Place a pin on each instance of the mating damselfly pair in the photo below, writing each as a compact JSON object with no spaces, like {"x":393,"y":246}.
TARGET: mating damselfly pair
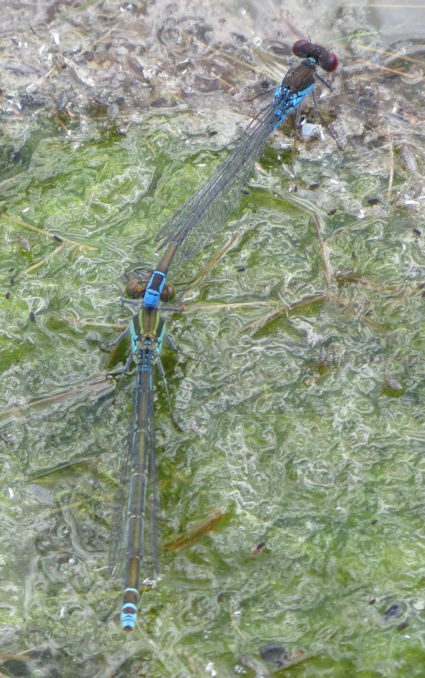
{"x":192,"y":227}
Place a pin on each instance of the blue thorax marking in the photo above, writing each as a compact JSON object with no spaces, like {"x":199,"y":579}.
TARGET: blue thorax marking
{"x":286,"y":101}
{"x":154,"y":289}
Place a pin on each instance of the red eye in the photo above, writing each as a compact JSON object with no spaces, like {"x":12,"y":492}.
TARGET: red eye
{"x":298,"y":47}
{"x":328,"y":61}
{"x":304,"y":49}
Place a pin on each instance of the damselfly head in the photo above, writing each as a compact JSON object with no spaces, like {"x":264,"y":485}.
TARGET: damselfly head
{"x":304,"y":49}
{"x":136,"y":289}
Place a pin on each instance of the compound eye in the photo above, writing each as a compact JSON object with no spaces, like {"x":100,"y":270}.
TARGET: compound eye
{"x":167,"y":293}
{"x":135,"y":288}
{"x":328,"y":61}
{"x":298,"y":48}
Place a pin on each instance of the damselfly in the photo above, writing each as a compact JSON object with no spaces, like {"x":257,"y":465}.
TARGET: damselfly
{"x":207,"y":209}
{"x":146,"y":347}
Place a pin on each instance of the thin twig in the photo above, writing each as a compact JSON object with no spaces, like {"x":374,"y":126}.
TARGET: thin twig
{"x":196,"y":532}
{"x":54,"y":236}
{"x":212,"y":263}
{"x":395,"y":71}
{"x":96,"y":389}
{"x":391,"y":175}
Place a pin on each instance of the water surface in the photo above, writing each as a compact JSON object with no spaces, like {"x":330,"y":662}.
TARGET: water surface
{"x":302,"y":409}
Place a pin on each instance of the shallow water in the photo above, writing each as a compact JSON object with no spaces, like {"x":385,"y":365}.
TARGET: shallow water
{"x":299,"y":378}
